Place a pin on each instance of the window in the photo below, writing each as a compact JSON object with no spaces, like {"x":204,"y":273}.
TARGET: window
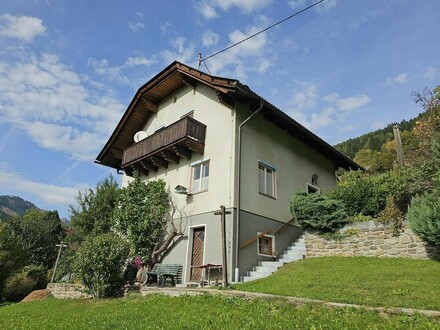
{"x":265,"y":245}
{"x":266,"y":179}
{"x":200,"y":177}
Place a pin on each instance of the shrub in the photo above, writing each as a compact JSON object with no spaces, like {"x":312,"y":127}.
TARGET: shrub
{"x":360,"y":193}
{"x":424,"y":218}
{"x":391,"y":216}
{"x":30,"y":278}
{"x":318,"y":211}
{"x":99,"y":264}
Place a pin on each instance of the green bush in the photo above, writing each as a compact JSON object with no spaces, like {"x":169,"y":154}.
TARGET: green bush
{"x":367,"y":194}
{"x":318,"y":211}
{"x":360,"y":193}
{"x":30,"y":278}
{"x":99,"y":264}
{"x":13,"y":254}
{"x":424,"y":218}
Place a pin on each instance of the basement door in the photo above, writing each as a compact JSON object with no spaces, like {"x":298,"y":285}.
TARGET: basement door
{"x":198,"y":245}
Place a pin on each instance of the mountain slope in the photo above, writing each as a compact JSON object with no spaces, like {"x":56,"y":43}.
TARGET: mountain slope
{"x":14,"y":205}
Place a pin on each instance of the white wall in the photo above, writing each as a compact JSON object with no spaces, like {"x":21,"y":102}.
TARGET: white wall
{"x":294,"y":161}
{"x":219,"y":148}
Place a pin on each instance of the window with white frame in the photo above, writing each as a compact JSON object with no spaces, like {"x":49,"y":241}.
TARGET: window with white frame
{"x":200,"y":177}
{"x":266,"y":245}
{"x":266,"y":179}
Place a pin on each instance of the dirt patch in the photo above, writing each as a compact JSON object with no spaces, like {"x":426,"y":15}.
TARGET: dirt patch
{"x":37,"y":295}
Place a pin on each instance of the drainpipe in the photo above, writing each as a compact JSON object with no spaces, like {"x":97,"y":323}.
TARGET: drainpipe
{"x":237,"y":229}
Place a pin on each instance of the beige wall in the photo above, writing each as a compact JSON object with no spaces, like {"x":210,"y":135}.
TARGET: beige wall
{"x":219,"y":148}
{"x":294,"y":162}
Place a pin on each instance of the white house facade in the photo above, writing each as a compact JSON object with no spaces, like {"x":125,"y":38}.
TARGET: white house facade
{"x":220,"y":144}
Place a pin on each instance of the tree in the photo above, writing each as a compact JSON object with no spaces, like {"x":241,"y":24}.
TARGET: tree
{"x":39,"y":232}
{"x":145,"y":216}
{"x":13,"y":254}
{"x":94,"y":214}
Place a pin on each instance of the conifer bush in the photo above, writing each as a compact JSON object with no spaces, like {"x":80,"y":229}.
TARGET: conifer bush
{"x":318,"y":212}
{"x":424,"y":217}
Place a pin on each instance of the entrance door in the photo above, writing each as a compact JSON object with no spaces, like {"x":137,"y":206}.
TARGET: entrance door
{"x":197,"y":254}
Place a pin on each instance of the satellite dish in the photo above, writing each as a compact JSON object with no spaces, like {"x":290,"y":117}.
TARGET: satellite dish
{"x":140,"y":136}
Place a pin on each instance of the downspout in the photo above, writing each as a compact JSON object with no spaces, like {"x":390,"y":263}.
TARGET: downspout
{"x":237,"y":222}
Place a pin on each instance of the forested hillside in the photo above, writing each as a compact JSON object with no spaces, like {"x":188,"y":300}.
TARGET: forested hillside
{"x":374,"y":140}
{"x":14,"y":205}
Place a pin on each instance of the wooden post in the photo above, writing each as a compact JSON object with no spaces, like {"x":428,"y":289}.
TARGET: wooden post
{"x":399,"y":147}
{"x":223,"y":213}
{"x":58,"y":259}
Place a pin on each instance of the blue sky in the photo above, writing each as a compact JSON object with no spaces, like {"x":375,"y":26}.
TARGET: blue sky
{"x":69,"y":68}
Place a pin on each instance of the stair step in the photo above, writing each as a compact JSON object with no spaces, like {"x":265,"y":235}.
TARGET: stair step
{"x":265,"y":269}
{"x":271,"y":264}
{"x":256,"y":274}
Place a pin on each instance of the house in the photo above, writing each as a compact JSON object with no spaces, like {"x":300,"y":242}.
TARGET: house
{"x":219,"y":143}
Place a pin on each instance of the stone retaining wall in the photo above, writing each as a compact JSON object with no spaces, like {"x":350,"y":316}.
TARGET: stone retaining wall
{"x":371,"y":242}
{"x":67,"y":291}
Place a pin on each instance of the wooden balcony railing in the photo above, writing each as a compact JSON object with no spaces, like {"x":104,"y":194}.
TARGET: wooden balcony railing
{"x":169,"y":144}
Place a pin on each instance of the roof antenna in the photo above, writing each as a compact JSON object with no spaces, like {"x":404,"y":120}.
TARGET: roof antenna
{"x":201,"y":60}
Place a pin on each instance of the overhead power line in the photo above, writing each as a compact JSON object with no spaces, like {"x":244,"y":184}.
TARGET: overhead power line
{"x":255,"y":34}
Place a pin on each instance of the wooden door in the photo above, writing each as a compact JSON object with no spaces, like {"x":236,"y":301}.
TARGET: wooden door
{"x":198,"y":245}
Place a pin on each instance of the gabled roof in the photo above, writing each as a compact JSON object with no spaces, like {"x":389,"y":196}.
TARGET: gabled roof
{"x":229,"y":91}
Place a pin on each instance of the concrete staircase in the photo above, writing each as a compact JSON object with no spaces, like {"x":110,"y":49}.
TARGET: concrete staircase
{"x":296,"y":251}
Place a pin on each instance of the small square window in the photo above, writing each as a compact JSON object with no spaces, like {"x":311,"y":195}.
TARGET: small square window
{"x":266,"y":180}
{"x":200,"y":177}
{"x":266,"y":245}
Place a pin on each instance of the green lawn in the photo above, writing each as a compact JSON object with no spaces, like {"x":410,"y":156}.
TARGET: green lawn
{"x":200,"y":312}
{"x":359,"y":280}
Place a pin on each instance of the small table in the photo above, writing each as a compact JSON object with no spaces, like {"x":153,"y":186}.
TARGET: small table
{"x":208,"y":268}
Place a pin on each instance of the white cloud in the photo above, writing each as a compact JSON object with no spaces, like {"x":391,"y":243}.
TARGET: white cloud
{"x":139,"y":60}
{"x":305,"y":98}
{"x":206,"y":10}
{"x":164,"y":28}
{"x":326,"y":5}
{"x":49,"y":193}
{"x":49,"y":101}
{"x":249,"y":56}
{"x":430,"y":73}
{"x":208,"y":7}
{"x":321,"y":8}
{"x":24,"y":28}
{"x":135,"y":27}
{"x":397,"y":80}
{"x":296,"y":4}
{"x":210,"y":38}
{"x":103,"y":68}
{"x":315,"y":111}
{"x":182,"y":52}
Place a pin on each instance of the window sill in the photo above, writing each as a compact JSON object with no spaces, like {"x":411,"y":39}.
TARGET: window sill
{"x":266,"y":195}
{"x":198,"y":192}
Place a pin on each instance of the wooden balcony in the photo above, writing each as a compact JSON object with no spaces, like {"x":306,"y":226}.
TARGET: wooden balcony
{"x":178,"y":140}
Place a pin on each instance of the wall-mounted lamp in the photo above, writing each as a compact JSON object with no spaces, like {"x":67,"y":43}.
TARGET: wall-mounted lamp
{"x":315,"y":179}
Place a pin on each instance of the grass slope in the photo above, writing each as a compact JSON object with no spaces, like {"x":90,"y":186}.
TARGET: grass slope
{"x":200,"y":312}
{"x":359,"y":280}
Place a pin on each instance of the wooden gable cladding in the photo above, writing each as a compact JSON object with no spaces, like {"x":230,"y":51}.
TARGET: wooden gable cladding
{"x":146,"y":102}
